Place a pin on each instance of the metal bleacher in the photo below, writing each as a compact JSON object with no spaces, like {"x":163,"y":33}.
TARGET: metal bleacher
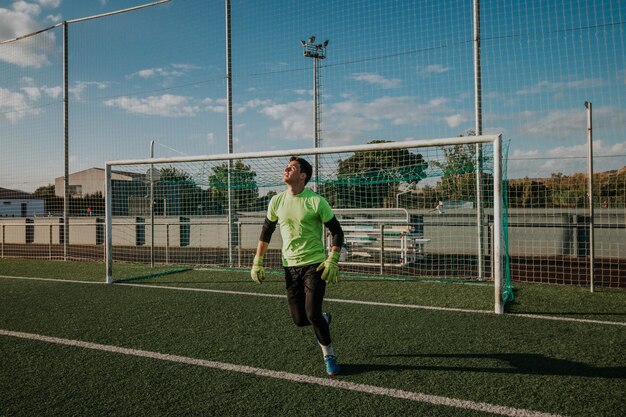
{"x":391,"y":237}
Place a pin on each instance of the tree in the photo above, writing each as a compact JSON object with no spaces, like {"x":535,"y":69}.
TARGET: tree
{"x":177,"y":193}
{"x":263,"y":202}
{"x":172,"y":174}
{"x":567,"y":191}
{"x":458,"y":171}
{"x":459,"y":159}
{"x":372,"y":178}
{"x":90,"y":204}
{"x":611,"y":188}
{"x":52,"y":203}
{"x":527,"y":193}
{"x":78,"y":206}
{"x":245,"y":190}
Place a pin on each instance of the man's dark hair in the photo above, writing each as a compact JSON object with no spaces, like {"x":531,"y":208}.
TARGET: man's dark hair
{"x":304,"y":167}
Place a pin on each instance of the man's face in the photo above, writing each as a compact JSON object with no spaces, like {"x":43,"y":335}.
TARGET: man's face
{"x":292,"y":174}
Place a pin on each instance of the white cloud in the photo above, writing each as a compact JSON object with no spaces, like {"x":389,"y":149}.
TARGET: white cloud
{"x":559,"y":124}
{"x":566,"y":159}
{"x":455,"y":120}
{"x":186,"y":67}
{"x":377,"y":79}
{"x":217,"y":105}
{"x":295,"y":119}
{"x":146,"y":73}
{"x":253,"y":104}
{"x":30,"y":52}
{"x":438,"y":102}
{"x":434,"y":69}
{"x":351,"y":120}
{"x":54,"y":18}
{"x":53,"y":92}
{"x":556,"y":124}
{"x":28,"y":81}
{"x":171,"y":71}
{"x":551,"y":87}
{"x":80,"y":86}
{"x":167,"y":105}
{"x":608,"y":117}
{"x":33,"y":93}
{"x":14,"y":106}
{"x":50,"y":3}
{"x":27,"y":8}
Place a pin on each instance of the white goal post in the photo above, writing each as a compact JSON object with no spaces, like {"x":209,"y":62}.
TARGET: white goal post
{"x":201,"y":186}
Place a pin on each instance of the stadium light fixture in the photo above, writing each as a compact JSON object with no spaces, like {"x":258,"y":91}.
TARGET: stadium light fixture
{"x":317,"y":52}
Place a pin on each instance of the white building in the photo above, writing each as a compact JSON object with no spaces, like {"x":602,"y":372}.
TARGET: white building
{"x":89,"y":181}
{"x":15,"y":203}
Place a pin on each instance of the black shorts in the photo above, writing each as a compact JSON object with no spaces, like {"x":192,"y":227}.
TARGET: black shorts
{"x":304,"y":280}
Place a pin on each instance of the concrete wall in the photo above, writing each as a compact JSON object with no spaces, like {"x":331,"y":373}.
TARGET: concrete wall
{"x":48,"y":230}
{"x":531,"y":232}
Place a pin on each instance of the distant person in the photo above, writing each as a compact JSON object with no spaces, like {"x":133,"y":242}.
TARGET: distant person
{"x":301,"y":215}
{"x":439,"y":208}
{"x":605,"y":204}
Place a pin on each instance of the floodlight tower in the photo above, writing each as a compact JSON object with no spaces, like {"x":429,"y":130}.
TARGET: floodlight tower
{"x":317,"y":52}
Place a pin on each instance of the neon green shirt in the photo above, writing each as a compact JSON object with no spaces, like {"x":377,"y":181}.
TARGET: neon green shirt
{"x":301,"y":219}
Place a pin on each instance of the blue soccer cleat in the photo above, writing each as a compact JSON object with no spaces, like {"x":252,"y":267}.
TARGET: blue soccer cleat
{"x":332,"y":367}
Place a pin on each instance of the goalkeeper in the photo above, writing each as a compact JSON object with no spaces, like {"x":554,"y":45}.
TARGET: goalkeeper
{"x":301,"y":215}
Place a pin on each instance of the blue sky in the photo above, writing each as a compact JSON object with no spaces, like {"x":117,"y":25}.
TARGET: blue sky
{"x":395,"y":70}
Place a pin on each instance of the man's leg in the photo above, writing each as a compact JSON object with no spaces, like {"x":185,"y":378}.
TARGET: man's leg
{"x":294,"y":282}
{"x":305,"y":295}
{"x":314,"y":290}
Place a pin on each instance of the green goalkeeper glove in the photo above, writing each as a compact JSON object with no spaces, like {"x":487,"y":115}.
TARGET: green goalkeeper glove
{"x":330,"y":267}
{"x":258,"y":272}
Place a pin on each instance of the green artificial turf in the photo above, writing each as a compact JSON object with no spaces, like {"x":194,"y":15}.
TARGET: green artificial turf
{"x":561,"y":367}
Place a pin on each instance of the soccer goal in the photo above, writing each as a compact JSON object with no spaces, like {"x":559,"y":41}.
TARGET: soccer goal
{"x":425,"y":209}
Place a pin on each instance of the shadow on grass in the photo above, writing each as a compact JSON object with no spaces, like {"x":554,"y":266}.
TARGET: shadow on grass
{"x":511,"y":363}
{"x":151,"y":275}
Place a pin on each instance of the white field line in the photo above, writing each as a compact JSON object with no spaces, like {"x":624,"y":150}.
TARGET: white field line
{"x":337,"y":300}
{"x":532,"y":316}
{"x":379,"y":304}
{"x":307,"y":379}
{"x":52,"y":280}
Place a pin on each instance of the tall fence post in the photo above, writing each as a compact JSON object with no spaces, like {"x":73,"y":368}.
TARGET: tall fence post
{"x":66,"y":135}
{"x":229,"y":134}
{"x":479,"y":148}
{"x":497,"y":225}
{"x":592,"y":253}
{"x":108,"y":199}
{"x":382,"y":249}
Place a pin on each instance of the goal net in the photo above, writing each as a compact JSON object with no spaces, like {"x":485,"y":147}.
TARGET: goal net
{"x":409,"y":210}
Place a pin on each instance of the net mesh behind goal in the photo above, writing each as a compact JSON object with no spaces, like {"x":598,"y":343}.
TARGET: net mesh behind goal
{"x":407,"y":212}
